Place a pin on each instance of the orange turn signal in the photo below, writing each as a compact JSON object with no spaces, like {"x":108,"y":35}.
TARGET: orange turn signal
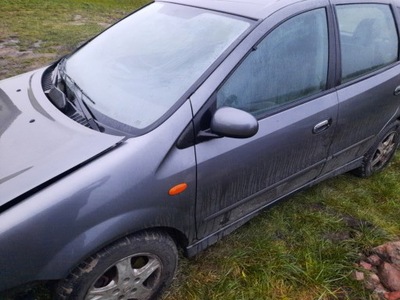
{"x":177,"y":189}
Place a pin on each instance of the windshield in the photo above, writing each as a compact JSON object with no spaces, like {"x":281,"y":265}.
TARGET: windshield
{"x":139,"y":68}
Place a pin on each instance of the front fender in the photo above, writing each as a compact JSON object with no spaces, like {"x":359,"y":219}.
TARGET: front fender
{"x":97,"y":237}
{"x":126,"y":190}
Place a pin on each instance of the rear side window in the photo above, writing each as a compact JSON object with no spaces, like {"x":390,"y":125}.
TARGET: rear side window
{"x":368,"y":38}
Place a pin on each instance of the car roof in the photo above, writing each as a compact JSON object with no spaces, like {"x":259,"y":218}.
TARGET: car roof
{"x":255,"y":9}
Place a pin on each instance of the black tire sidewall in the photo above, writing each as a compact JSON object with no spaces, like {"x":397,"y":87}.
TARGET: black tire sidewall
{"x":367,"y":164}
{"x":84,"y":276}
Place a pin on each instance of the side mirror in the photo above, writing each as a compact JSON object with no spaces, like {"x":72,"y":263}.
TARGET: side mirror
{"x":233,"y":122}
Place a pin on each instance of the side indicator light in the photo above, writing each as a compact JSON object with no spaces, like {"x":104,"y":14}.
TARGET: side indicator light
{"x":177,"y":189}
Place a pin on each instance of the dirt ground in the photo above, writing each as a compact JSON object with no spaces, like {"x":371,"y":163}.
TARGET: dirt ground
{"x":13,"y":61}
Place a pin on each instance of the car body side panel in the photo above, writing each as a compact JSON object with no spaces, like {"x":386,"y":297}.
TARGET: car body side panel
{"x":365,"y":108}
{"x":284,"y":155}
{"x":112,"y":196}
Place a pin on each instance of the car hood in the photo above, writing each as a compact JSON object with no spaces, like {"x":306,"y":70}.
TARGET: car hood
{"x":37,"y":142}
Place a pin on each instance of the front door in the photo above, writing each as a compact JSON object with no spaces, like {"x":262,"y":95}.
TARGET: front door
{"x":283,"y":83}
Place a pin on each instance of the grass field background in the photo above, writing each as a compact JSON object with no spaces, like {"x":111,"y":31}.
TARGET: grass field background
{"x":305,"y":247}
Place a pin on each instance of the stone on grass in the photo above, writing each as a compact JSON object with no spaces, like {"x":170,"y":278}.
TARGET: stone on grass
{"x":374,"y":260}
{"x":382,"y":271}
{"x":365,"y":265}
{"x":390,"y":276}
{"x":392,"y":296}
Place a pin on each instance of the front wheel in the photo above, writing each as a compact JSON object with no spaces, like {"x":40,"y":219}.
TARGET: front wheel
{"x":138,"y":267}
{"x":379,"y":156}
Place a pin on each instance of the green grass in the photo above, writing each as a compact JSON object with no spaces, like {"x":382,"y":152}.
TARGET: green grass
{"x":305,"y":247}
{"x":42,"y":30}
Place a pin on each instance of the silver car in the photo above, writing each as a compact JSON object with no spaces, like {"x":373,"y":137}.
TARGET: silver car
{"x":180,"y":123}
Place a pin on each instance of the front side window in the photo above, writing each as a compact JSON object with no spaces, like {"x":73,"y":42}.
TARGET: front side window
{"x":139,"y":68}
{"x":290,"y":63}
{"x":368,"y":38}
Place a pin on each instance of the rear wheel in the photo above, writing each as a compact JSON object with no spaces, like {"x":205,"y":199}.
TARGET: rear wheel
{"x":138,"y":267}
{"x":379,"y":156}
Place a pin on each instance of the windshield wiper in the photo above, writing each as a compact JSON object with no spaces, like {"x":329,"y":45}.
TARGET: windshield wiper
{"x":54,"y":93}
{"x":62,"y":81}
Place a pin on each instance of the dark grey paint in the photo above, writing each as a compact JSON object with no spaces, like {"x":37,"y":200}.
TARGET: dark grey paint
{"x":124,"y":191}
{"x":232,"y":122}
{"x":47,"y":231}
{"x":356,"y":129}
{"x":282,"y":156}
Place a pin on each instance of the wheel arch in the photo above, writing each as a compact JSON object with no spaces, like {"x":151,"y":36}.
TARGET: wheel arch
{"x":93,"y":240}
{"x":381,"y":152}
{"x":150,"y":256}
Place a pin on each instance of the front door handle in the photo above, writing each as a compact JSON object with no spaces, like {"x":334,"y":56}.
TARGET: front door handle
{"x":397,"y":91}
{"x":322,"y":126}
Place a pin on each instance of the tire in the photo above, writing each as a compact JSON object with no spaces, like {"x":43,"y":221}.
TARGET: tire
{"x":379,"y":156}
{"x":138,"y":267}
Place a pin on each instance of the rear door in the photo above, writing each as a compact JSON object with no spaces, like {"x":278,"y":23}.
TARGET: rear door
{"x":369,"y":79}
{"x":283,"y":82}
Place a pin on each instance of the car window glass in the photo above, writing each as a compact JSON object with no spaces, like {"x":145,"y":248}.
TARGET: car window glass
{"x":290,"y":63}
{"x":139,"y":68}
{"x":368,"y":38}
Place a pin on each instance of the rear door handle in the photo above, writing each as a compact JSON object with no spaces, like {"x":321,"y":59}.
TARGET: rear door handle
{"x":322,"y":126}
